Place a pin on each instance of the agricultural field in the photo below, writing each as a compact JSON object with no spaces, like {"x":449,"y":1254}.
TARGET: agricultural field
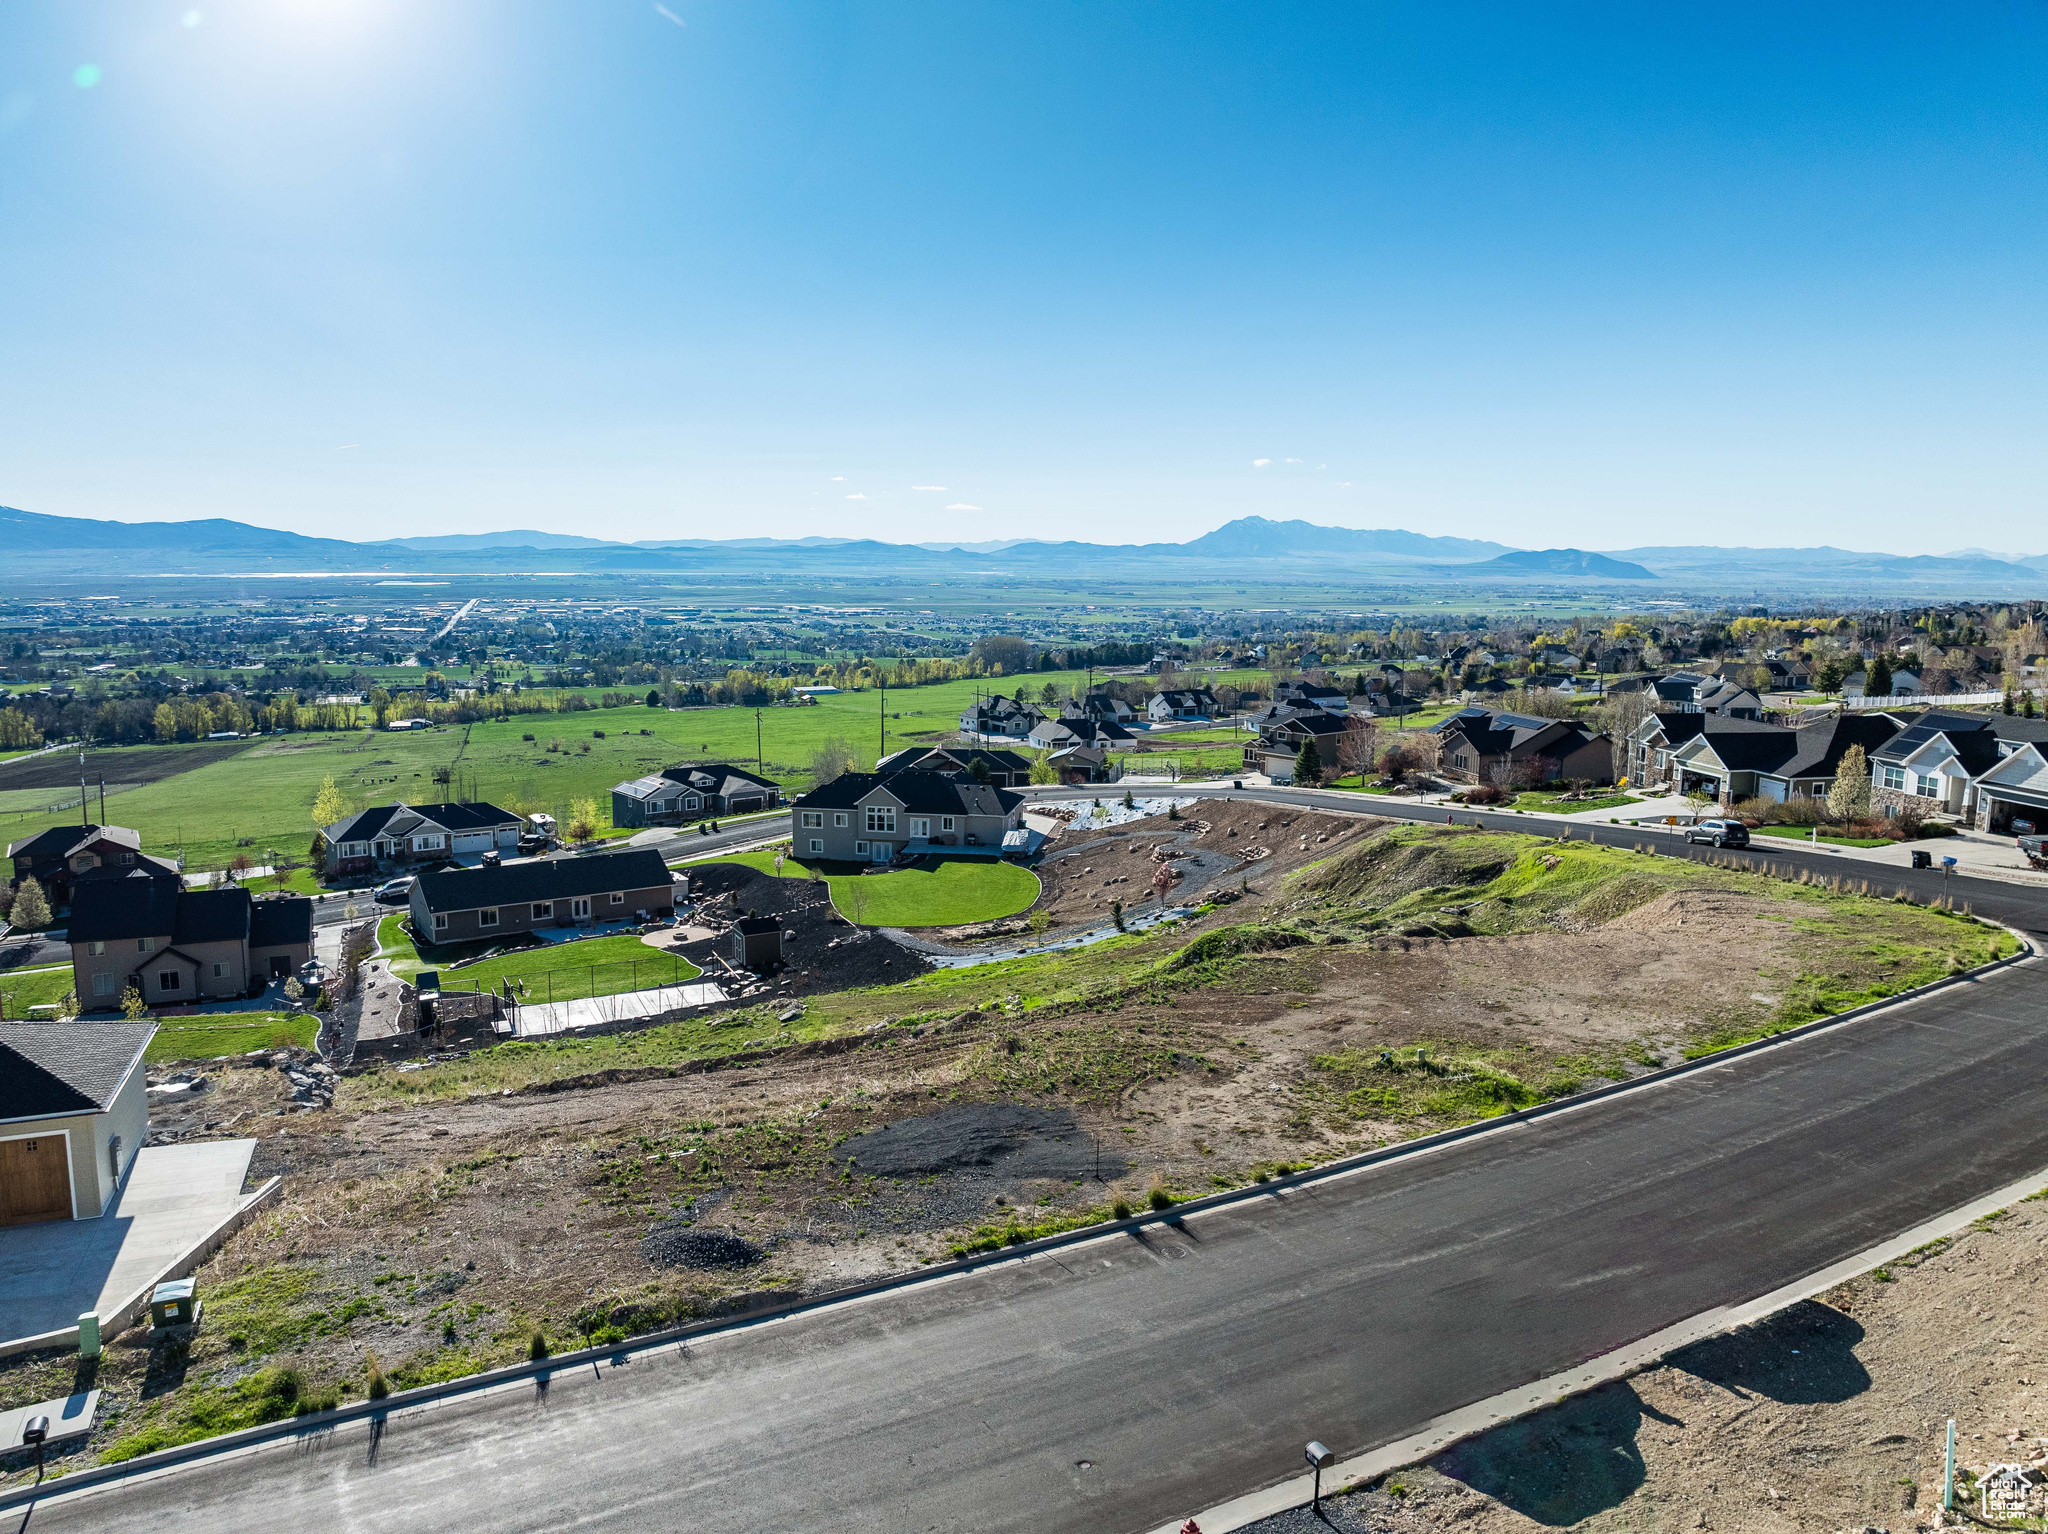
{"x":951,"y":893}
{"x":1361,"y":986}
{"x":214,"y":799}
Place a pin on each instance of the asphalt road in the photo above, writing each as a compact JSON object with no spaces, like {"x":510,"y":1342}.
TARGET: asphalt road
{"x":1188,"y":1366}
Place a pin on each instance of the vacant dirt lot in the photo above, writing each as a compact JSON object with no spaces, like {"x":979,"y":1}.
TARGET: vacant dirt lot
{"x":1830,"y":1416}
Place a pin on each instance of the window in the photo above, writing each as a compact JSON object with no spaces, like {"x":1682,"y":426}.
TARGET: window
{"x":1891,"y":777}
{"x":105,"y":985}
{"x":487,"y":917}
{"x":579,"y":907}
{"x":946,"y":823}
{"x":1930,"y":785}
{"x":440,"y":921}
{"x":920,"y":828}
{"x":881,"y":817}
{"x":814,"y":820}
{"x":817,"y":844}
{"x":82,"y":862}
{"x":220,"y":971}
{"x":168,"y":980}
{"x":145,"y":945}
{"x":860,"y":849}
{"x":95,"y":949}
{"x":618,"y":897}
{"x":126,"y":860}
{"x":543,"y":909}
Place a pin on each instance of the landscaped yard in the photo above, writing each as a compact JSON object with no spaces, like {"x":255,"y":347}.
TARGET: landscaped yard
{"x":946,"y":894}
{"x":1805,"y":833}
{"x":230,"y":1033}
{"x":595,"y":966}
{"x":23,"y":989}
{"x":1553,"y":802}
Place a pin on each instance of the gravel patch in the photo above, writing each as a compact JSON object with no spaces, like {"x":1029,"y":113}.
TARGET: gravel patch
{"x":678,"y":1246}
{"x":1005,"y":1138}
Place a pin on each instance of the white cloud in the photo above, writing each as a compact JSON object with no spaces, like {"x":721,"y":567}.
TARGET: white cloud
{"x":663,"y":10}
{"x":1294,"y":460}
{"x":1343,"y":484}
{"x":1260,"y":463}
{"x":928,"y":487}
{"x":856,"y":496}
{"x":839,"y":479}
{"x":962,"y":506}
{"x":1322,"y":466}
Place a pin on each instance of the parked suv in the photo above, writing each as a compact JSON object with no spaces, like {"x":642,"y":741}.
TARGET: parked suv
{"x":1720,"y":833}
{"x":394,"y":891}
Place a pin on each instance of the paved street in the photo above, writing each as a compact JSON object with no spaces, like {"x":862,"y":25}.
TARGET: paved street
{"x":1119,"y":1385}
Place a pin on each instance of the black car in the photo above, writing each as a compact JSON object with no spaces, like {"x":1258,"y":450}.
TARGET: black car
{"x":1720,"y":833}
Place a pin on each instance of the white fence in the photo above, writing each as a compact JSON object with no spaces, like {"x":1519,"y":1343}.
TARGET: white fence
{"x":1924,"y":700}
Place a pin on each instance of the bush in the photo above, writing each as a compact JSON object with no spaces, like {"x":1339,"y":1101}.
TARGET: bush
{"x":527,"y":736}
{"x":1489,"y":793}
{"x":537,"y":1347}
{"x":379,"y":1387}
{"x":1120,"y":1210}
{"x":1158,"y":1197}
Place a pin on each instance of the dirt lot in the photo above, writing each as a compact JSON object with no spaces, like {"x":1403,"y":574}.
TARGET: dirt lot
{"x":565,"y":1186}
{"x":1829,"y":1416}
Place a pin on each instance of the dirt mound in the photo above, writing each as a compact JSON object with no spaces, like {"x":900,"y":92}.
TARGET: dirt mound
{"x":1017,"y":1142}
{"x":752,"y":890}
{"x":676,"y":1245}
{"x":1711,"y":913}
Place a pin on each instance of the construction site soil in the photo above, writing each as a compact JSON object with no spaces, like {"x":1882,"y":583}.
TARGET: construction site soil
{"x":444,"y":1230}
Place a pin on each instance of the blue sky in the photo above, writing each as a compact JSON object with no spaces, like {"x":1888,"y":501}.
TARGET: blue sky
{"x":1558,"y":274}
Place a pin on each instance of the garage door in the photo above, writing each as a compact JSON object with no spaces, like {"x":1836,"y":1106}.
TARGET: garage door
{"x":35,"y":1180}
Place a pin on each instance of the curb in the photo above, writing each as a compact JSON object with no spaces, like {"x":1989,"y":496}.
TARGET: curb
{"x":319,"y":1422}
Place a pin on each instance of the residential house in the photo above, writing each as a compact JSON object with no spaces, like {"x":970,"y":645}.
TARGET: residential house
{"x":984,"y":764}
{"x":1055,"y":734}
{"x":1099,"y":706}
{"x":1276,"y":750}
{"x":141,"y":928}
{"x":388,"y":835}
{"x":863,"y":817}
{"x":1184,"y":703}
{"x":1736,"y":759}
{"x":56,"y":857}
{"x":1481,"y":743}
{"x":692,"y":791}
{"x":468,"y":905}
{"x":1081,"y":763}
{"x":1905,"y":684}
{"x":1652,"y":743}
{"x":1000,"y":718}
{"x":1932,"y":766}
{"x":74,"y":1112}
{"x":1689,"y":692}
{"x":1331,"y":700}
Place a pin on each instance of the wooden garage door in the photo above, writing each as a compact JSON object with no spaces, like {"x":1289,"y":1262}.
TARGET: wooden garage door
{"x":35,"y":1180}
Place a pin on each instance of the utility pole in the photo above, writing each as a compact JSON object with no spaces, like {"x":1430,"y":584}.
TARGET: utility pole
{"x":84,"y":799}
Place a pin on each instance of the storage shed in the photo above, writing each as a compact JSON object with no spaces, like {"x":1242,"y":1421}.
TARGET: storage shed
{"x":757,"y":942}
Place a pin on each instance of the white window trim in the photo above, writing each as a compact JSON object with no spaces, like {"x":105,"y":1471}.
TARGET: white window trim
{"x":580,"y":906}
{"x":487,"y":916}
{"x":618,"y":897}
{"x":440,"y":921}
{"x":145,"y":945}
{"x":814,"y":820}
{"x":543,"y":910}
{"x":817,"y":844}
{"x":860,"y":849}
{"x":945,"y":822}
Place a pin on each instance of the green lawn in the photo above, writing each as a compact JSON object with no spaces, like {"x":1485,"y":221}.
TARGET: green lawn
{"x":299,"y":881}
{"x":1805,"y":833}
{"x":230,"y":1033}
{"x":953,"y":892}
{"x":24,"y":988}
{"x":264,"y":795}
{"x":1553,"y":802}
{"x":597,"y":966}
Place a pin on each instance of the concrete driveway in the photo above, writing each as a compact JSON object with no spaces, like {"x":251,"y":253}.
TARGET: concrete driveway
{"x":175,"y":1195}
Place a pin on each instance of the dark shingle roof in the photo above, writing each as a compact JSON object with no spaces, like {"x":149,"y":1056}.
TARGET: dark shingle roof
{"x":465,"y":889}
{"x":60,"y":841}
{"x":281,"y":923}
{"x":53,"y":1068}
{"x":401,"y":819}
{"x":994,"y":758}
{"x":212,"y":916}
{"x":138,"y":902}
{"x":921,"y":793}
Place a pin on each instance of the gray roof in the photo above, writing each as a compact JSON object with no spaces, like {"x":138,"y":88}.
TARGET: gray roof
{"x":920,"y":793}
{"x":598,"y":873}
{"x":61,"y":841}
{"x":402,"y":819}
{"x":61,"y":1068}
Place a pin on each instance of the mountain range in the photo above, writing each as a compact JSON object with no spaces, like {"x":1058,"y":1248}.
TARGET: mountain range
{"x":46,"y":548}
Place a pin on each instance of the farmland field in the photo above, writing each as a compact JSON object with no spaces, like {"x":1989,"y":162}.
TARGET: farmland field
{"x":261,"y":796}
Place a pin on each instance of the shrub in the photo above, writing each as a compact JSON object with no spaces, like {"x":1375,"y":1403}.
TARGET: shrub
{"x":537,"y":1346}
{"x":1120,"y":1210}
{"x":597,"y":734}
{"x":527,"y":736}
{"x":1488,"y":793}
{"x":1159,"y":1197}
{"x":379,"y":1386}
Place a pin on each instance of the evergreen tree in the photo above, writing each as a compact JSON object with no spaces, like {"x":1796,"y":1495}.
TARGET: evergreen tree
{"x":1879,"y":682}
{"x":31,"y":910}
{"x":1308,"y":767}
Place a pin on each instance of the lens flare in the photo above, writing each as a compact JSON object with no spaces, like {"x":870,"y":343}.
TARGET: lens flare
{"x":86,"y":76}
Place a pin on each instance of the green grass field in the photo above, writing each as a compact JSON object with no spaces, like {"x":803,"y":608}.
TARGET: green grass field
{"x":262,"y":798}
{"x":230,"y":1033}
{"x":1553,"y":803}
{"x":22,"y":989}
{"x":597,"y":966}
{"x":954,"y":892}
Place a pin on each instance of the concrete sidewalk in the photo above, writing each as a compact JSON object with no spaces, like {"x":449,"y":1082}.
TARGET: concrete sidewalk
{"x":174,"y":1196}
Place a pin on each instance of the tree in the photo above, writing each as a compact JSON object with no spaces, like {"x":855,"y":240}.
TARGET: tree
{"x":133,"y":1007}
{"x":1007,"y":653}
{"x":582,"y":819}
{"x":833,"y":758}
{"x":654,"y":697}
{"x":165,"y":722}
{"x":1620,"y":716}
{"x":1308,"y":767}
{"x":1878,"y":684}
{"x":1049,"y":694}
{"x":239,"y":865}
{"x":1042,"y":771}
{"x":31,"y":910}
{"x":328,"y":804}
{"x":1849,"y":798}
{"x":1357,"y":746}
{"x":317,"y":854}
